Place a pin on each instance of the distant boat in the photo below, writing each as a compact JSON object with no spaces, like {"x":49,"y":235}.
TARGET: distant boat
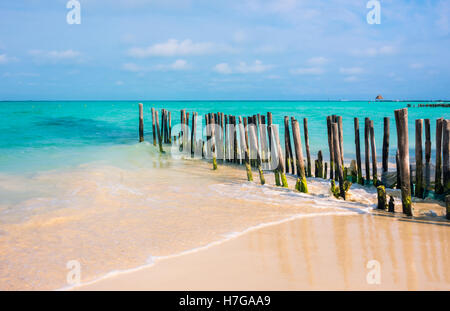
{"x":379,"y":97}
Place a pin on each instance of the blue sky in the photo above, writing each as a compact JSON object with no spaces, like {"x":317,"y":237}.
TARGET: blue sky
{"x":206,"y":49}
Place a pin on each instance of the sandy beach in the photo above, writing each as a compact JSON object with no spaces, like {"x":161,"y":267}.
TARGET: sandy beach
{"x":311,"y":253}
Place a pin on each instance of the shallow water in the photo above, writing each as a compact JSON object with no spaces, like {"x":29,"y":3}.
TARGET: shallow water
{"x":75,"y":185}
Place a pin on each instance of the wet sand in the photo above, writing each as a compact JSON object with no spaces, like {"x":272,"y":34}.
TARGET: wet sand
{"x":312,"y":253}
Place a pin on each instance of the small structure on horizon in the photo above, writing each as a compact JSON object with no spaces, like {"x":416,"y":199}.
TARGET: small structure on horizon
{"x":379,"y":97}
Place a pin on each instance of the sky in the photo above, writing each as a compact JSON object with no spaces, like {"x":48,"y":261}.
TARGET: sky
{"x":229,"y":50}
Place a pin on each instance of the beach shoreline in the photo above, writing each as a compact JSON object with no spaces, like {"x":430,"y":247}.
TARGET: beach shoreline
{"x":307,"y":253}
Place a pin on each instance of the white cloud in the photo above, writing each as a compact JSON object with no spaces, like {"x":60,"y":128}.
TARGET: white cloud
{"x":376,"y":51}
{"x":4,"y":59}
{"x":317,"y":61}
{"x":173,"y":47}
{"x":416,"y":66}
{"x":308,"y":71}
{"x":179,"y":64}
{"x":119,"y":83}
{"x":351,"y":70}
{"x":132,"y":67}
{"x":56,"y":56}
{"x":256,"y":67}
{"x":222,"y":68}
{"x":351,"y":79}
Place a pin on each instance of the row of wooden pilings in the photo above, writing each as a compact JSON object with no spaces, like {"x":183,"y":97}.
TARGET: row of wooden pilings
{"x":442,"y":105}
{"x":259,"y":147}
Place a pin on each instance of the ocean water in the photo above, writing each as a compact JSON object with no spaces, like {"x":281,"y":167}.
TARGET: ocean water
{"x":75,"y":184}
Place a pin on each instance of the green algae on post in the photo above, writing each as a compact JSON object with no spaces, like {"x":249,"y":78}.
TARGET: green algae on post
{"x":381,"y":196}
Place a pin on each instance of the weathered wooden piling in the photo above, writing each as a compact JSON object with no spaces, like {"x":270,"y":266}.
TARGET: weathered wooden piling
{"x":193,"y":134}
{"x":374,"y":155}
{"x":367,"y":147}
{"x":419,"y":189}
{"x":447,"y":206}
{"x":330,"y":146}
{"x":439,"y":188}
{"x":446,"y":155}
{"x":391,"y":204}
{"x":280,"y":170}
{"x":341,"y":138}
{"x":235,"y":142}
{"x":401,"y":117}
{"x":358,"y":151}
{"x":141,"y":122}
{"x":319,"y":165}
{"x":263,"y":139}
{"x":170,"y":127}
{"x":381,"y":197}
{"x":308,"y":154}
{"x":302,"y":185}
{"x":213,"y":142}
{"x":385,"y":166}
{"x":154,"y":129}
{"x":158,"y":131}
{"x":254,"y":139}
{"x":245,"y":148}
{"x":269,"y":130}
{"x":427,"y":155}
{"x":325,"y":170}
{"x":287,"y":146}
{"x":338,"y":160}
{"x":397,"y":169}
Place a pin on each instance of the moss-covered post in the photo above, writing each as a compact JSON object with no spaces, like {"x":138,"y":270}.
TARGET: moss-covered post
{"x":289,"y":160}
{"x":141,"y":123}
{"x":280,"y":168}
{"x":154,"y":129}
{"x":302,"y":185}
{"x":419,"y":189}
{"x":330,"y":146}
{"x":158,"y":132}
{"x":446,"y":155}
{"x":447,"y":205}
{"x":367,"y":147}
{"x":308,"y":154}
{"x":213,"y":141}
{"x":193,"y":134}
{"x":254,"y":139}
{"x":439,"y":188}
{"x":341,"y":138}
{"x":374,"y":154}
{"x":401,"y":117}
{"x":381,"y":196}
{"x":358,"y":151}
{"x":338,"y":160}
{"x":391,"y":204}
{"x":427,"y":156}
{"x":245,"y":148}
{"x":385,"y":165}
{"x":319,"y":164}
{"x":325,"y":171}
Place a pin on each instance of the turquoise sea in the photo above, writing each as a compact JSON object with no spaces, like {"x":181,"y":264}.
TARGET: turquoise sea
{"x":38,"y":136}
{"x":76,"y":185}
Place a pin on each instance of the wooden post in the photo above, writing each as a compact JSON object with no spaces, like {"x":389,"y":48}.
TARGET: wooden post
{"x":269,"y":130}
{"x":381,"y":195}
{"x":367,"y":147}
{"x":280,"y":168}
{"x":302,"y":185}
{"x":141,"y":122}
{"x":341,"y":138}
{"x":397,"y":168}
{"x":170,"y":127}
{"x":154,"y":129}
{"x":325,"y":171}
{"x":447,"y":205}
{"x":358,"y":151}
{"x":319,"y":164}
{"x":254,"y":139}
{"x":419,"y":189}
{"x":374,"y":155}
{"x":263,"y":138}
{"x":427,"y":155}
{"x":446,"y":155}
{"x":288,"y":147}
{"x":330,"y":146}
{"x":213,"y":142}
{"x":158,"y":132}
{"x":338,"y":160}
{"x":391,"y":204}
{"x":385,"y":167}
{"x":245,"y":147}
{"x":308,"y":154}
{"x":401,"y":117}
{"x":439,"y":188}
{"x":193,"y":134}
